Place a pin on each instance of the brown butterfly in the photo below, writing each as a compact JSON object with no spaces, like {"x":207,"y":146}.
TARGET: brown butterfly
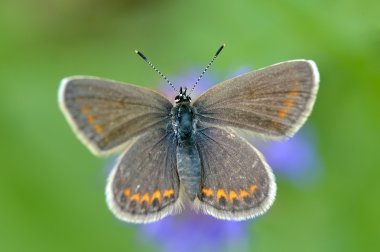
{"x":189,"y":152}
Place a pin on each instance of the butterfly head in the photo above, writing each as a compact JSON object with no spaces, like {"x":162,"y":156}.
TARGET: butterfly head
{"x":182,"y":96}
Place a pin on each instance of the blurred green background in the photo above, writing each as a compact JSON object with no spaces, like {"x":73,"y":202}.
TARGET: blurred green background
{"x":52,"y":188}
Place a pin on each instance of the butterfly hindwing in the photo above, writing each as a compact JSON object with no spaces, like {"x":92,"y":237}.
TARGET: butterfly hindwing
{"x":274,"y":101}
{"x":236,"y":182}
{"x":106,"y":114}
{"x":144,"y":184}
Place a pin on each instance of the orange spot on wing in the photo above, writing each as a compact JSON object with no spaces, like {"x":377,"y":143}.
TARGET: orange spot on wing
{"x":221,"y":193}
{"x":252,"y":189}
{"x":156,"y":195}
{"x":288,"y":103}
{"x":135,"y":196}
{"x":293,"y":93}
{"x":233,"y":196}
{"x":208,"y":192}
{"x":85,"y":110}
{"x":282,"y":113}
{"x":127,"y":192}
{"x":168,"y":193}
{"x":90,"y":119}
{"x":243,"y":193}
{"x":145,"y":197}
{"x":98,"y":128}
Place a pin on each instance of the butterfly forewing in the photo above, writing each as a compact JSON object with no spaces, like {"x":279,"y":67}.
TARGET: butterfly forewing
{"x":106,"y":114}
{"x":273,"y":101}
{"x":236,"y":182}
{"x":144,"y":184}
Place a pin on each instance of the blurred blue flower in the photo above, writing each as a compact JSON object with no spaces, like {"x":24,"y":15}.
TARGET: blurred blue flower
{"x":295,"y":158}
{"x":191,"y":232}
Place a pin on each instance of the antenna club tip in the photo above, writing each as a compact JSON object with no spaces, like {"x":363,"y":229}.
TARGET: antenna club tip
{"x":223,"y":45}
{"x":219,"y":50}
{"x":141,"y":55}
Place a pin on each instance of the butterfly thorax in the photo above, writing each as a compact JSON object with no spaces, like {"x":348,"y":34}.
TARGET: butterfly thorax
{"x":183,"y":117}
{"x":183,"y":121}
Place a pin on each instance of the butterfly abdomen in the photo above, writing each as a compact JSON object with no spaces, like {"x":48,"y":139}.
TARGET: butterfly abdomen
{"x":188,"y":162}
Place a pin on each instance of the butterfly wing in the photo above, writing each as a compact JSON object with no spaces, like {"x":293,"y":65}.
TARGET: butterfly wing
{"x":273,"y":101}
{"x":236,"y":182}
{"x":106,"y":114}
{"x":144,"y":185}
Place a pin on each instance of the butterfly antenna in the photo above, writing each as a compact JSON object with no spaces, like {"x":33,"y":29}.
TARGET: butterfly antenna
{"x":155,"y":69}
{"x":207,"y":67}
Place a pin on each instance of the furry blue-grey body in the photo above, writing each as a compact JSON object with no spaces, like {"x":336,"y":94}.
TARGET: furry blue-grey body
{"x":188,"y":162}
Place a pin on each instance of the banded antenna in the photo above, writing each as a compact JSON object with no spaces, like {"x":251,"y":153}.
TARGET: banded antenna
{"x":207,"y":67}
{"x":155,"y":69}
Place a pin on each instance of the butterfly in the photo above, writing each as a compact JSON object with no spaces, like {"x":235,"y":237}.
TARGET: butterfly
{"x":188,"y":153}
